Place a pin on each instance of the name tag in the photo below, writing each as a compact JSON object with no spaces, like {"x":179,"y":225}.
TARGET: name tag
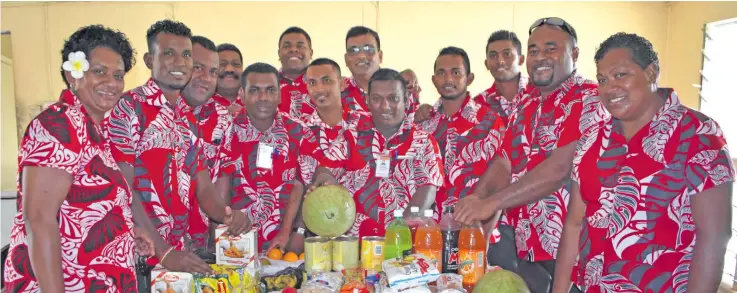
{"x":264,"y":158}
{"x":383,"y":164}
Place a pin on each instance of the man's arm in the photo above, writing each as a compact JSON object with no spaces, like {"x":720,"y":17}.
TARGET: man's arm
{"x":140,"y":217}
{"x":496,"y":177}
{"x":539,"y":182}
{"x":566,"y":258}
{"x":712,"y":216}
{"x":423,"y":198}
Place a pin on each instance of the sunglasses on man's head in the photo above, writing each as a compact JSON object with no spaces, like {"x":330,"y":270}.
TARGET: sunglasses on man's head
{"x":554,"y":21}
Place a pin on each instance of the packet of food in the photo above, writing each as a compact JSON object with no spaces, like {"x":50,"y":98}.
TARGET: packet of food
{"x":235,"y":250}
{"x":323,"y":282}
{"x":410,"y":271}
{"x":164,"y":281}
{"x":383,"y":287}
{"x":449,"y":281}
{"x":227,"y":279}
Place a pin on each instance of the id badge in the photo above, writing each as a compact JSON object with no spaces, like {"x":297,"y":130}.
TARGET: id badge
{"x":382,"y":165}
{"x":264,"y":158}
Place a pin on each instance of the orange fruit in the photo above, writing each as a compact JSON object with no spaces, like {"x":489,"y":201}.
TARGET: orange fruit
{"x":302,"y":256}
{"x":290,"y":257}
{"x":275,"y":254}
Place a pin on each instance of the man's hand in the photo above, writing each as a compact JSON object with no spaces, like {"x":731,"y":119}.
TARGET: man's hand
{"x":236,"y":221}
{"x":183,"y":261}
{"x":473,"y":208}
{"x":296,"y":243}
{"x":280,"y":240}
{"x":144,"y":243}
{"x":423,"y":113}
{"x":412,"y":84}
{"x":321,"y":179}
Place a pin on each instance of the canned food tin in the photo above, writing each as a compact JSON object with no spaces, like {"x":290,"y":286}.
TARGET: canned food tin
{"x":372,"y":253}
{"x":345,"y":253}
{"x":318,"y":254}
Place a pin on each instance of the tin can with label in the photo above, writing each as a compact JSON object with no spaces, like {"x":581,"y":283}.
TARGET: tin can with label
{"x":345,"y":253}
{"x":372,"y":254}
{"x":318,"y":254}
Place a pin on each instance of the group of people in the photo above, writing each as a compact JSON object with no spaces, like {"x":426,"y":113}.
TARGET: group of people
{"x":571,"y":178}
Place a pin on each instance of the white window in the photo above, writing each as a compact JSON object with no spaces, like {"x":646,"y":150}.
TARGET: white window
{"x":719,"y":101}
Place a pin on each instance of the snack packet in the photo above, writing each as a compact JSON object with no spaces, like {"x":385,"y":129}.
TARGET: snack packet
{"x":164,"y":281}
{"x":237,"y":250}
{"x":227,"y":279}
{"x":410,"y":271}
{"x":383,"y":287}
{"x":323,"y":282}
{"x":450,"y":282}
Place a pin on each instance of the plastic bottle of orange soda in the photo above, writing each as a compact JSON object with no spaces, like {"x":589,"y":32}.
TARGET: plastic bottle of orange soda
{"x":472,"y":254}
{"x":429,"y":240}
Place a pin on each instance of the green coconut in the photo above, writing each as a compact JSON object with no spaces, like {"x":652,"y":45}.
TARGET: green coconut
{"x":501,"y":281}
{"x":329,"y":211}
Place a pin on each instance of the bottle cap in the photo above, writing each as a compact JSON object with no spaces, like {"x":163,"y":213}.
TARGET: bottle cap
{"x":428,"y":213}
{"x":398,"y":213}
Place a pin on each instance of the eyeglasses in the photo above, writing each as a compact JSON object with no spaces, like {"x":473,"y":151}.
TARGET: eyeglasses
{"x":555,"y":21}
{"x":366,"y":48}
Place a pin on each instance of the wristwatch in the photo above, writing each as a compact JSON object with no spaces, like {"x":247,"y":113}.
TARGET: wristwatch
{"x":299,"y":230}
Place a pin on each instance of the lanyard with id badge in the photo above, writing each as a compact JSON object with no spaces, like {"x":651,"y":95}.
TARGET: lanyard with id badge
{"x":265,"y":156}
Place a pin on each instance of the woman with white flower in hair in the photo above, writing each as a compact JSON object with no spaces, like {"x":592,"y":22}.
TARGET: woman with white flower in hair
{"x":74,"y":229}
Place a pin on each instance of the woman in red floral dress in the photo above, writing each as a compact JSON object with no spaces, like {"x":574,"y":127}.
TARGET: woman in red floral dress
{"x":650,"y":205}
{"x":74,"y":229}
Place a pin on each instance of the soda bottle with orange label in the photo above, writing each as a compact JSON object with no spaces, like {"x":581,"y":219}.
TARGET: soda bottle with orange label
{"x":471,"y":254}
{"x":429,"y":240}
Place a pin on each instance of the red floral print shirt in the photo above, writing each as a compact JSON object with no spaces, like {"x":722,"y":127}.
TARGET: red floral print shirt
{"x":639,"y":233}
{"x":155,"y":138}
{"x":414,"y":162}
{"x":95,"y":218}
{"x":493,"y":99}
{"x":539,"y":126}
{"x":262,"y":193}
{"x":295,"y":101}
{"x":468,"y":140}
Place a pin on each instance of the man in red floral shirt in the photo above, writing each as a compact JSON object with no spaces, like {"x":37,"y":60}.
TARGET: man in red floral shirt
{"x":503,"y":59}
{"x":651,"y":198}
{"x":159,"y":155}
{"x":539,"y":143}
{"x":258,"y":162}
{"x":212,"y":118}
{"x":469,"y":134}
{"x":401,"y":164}
{"x":295,"y":53}
{"x":229,"y":80}
{"x":363,"y":57}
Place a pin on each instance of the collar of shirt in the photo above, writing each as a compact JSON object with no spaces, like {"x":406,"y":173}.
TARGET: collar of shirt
{"x":155,"y":97}
{"x":573,"y":80}
{"x":294,"y":82}
{"x":348,"y":115}
{"x":217,"y":98}
{"x":351,"y":82}
{"x":245,"y":122}
{"x":663,"y":119}
{"x":523,"y":81}
{"x":468,"y":110}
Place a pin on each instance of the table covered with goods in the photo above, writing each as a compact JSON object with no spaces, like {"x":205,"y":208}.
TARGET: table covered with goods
{"x":416,"y":255}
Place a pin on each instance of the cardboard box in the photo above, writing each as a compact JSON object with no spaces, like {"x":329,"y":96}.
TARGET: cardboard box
{"x":164,"y":281}
{"x":238,"y":250}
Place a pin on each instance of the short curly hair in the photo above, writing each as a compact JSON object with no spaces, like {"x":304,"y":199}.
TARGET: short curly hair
{"x":641,"y":49}
{"x":166,"y":26}
{"x":88,"y":38}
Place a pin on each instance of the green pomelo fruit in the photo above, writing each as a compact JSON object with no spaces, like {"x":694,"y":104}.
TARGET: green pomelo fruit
{"x":329,"y":211}
{"x":501,"y":281}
